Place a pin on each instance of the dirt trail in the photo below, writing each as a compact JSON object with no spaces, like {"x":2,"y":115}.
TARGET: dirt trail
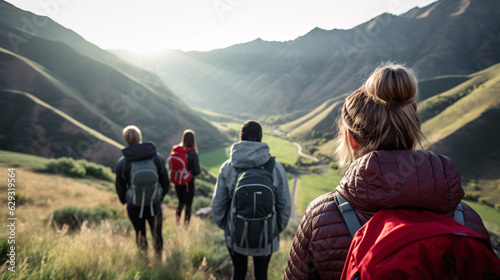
{"x":294,"y":215}
{"x":296,"y":177}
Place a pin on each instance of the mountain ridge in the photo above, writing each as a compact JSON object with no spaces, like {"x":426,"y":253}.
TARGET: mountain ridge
{"x":323,"y":64}
{"x":102,"y":93}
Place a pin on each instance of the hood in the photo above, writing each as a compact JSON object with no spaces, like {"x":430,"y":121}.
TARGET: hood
{"x":139,"y":151}
{"x":402,"y":179}
{"x":247,"y":154}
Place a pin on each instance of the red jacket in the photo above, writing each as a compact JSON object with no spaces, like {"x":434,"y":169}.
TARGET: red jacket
{"x":379,"y":180}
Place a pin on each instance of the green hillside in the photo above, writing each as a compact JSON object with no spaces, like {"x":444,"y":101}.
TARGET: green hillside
{"x":32,"y":126}
{"x":461,"y":122}
{"x":320,"y":122}
{"x":464,"y":126}
{"x":91,"y":99}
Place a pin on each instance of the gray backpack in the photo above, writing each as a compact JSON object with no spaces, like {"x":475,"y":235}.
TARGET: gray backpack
{"x":144,"y":188}
{"x":252,"y":220}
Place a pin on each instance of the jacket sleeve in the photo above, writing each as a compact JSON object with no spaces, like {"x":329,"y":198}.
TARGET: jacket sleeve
{"x":222,"y":196}
{"x":194,"y":163}
{"x":283,"y":199}
{"x":299,"y":264}
{"x":120,"y":184}
{"x":162,"y":174}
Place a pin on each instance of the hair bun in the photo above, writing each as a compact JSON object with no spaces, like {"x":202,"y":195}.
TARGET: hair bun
{"x":392,"y":84}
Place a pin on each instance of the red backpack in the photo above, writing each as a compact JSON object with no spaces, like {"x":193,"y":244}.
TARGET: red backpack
{"x":178,"y":166}
{"x":418,"y":244}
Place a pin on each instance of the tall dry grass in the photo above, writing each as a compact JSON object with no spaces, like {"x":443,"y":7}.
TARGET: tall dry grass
{"x":106,"y":251}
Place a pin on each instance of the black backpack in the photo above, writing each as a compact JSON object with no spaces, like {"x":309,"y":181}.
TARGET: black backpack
{"x":252,"y":217}
{"x":144,"y":189}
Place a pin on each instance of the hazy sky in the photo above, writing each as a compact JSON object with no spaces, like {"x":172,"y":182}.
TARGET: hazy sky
{"x":152,"y":25}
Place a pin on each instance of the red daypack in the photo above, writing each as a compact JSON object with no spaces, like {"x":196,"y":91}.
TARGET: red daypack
{"x":178,"y":166}
{"x":418,"y":244}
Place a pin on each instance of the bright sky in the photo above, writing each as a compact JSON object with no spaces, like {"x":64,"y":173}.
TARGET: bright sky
{"x":153,"y":25}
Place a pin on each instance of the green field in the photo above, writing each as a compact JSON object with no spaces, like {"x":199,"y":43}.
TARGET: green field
{"x":490,"y":216}
{"x":312,"y":186}
{"x":283,"y":150}
{"x":214,"y":159}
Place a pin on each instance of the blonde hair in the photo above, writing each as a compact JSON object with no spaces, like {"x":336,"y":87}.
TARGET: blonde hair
{"x":381,"y":114}
{"x":132,"y":134}
{"x":188,"y":140}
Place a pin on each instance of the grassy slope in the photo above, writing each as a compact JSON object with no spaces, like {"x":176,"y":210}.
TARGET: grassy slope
{"x":447,"y":112}
{"x":312,"y":186}
{"x":319,"y":119}
{"x":105,"y":252}
{"x":214,"y":159}
{"x":24,"y":113}
{"x":13,"y":159}
{"x":63,"y":115}
{"x":466,"y":129}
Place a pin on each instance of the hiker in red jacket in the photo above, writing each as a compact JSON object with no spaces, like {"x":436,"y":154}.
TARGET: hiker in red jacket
{"x":378,"y":129}
{"x":188,"y":151}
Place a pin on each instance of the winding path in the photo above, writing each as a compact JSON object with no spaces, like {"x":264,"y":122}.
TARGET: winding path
{"x":296,"y":177}
{"x":299,"y":151}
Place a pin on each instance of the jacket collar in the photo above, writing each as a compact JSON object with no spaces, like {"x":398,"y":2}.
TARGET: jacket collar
{"x":402,"y":179}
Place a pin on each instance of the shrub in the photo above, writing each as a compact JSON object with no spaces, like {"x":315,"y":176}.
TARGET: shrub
{"x":200,"y":202}
{"x":73,"y":217}
{"x":97,"y":171}
{"x":4,"y":250}
{"x":21,"y":198}
{"x":497,"y":207}
{"x":79,"y":169}
{"x":484,"y":201}
{"x":65,"y":166}
{"x":204,"y":188}
{"x":471,"y":196}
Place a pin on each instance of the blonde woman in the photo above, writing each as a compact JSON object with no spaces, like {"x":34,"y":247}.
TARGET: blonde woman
{"x":135,"y":152}
{"x":378,"y":129}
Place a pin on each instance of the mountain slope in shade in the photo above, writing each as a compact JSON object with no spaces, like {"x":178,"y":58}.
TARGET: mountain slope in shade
{"x":31,"y":126}
{"x":464,"y":124}
{"x":262,"y":78}
{"x":98,"y":93}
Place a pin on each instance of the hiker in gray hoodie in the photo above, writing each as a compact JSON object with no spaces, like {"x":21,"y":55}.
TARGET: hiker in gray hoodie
{"x":247,"y":153}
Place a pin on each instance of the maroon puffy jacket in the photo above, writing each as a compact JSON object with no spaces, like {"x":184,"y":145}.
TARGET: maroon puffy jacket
{"x":378,"y":180}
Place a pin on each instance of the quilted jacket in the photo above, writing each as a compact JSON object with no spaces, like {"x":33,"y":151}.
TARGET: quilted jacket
{"x":378,"y":180}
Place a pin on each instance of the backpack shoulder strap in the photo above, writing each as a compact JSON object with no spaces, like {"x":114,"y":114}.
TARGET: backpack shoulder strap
{"x":123,"y":172}
{"x":269,"y":165}
{"x":348,"y":214}
{"x":459,"y":215}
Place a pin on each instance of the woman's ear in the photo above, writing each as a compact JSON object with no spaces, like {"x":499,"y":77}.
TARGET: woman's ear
{"x":352,"y":142}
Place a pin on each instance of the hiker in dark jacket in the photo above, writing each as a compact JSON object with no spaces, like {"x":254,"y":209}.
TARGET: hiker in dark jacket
{"x":137,"y":151}
{"x":185,"y":193}
{"x":378,"y":129}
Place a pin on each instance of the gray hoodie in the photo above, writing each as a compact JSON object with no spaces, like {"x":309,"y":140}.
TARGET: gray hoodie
{"x":247,"y":154}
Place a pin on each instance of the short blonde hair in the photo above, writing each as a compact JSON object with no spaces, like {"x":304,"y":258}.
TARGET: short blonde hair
{"x":132,"y":135}
{"x":381,"y":114}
